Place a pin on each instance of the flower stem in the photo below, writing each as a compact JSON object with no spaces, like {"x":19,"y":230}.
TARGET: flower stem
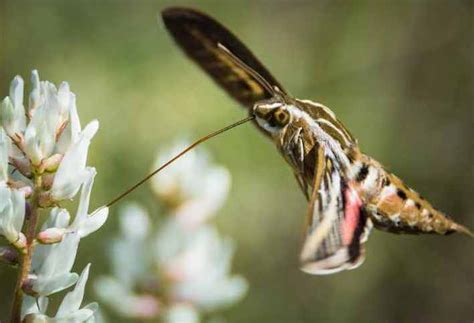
{"x":26,"y":255}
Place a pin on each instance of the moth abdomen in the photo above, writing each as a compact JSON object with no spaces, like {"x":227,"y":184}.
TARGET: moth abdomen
{"x":399,"y":209}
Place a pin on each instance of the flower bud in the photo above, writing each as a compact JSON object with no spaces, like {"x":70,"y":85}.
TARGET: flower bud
{"x":15,"y":184}
{"x":45,"y":199}
{"x":50,"y":164}
{"x":47,"y":180}
{"x":27,"y":190}
{"x":23,"y":165}
{"x":12,"y":214}
{"x":7,"y":114}
{"x":20,"y":243}
{"x":51,"y":235}
{"x":64,"y":98}
{"x":36,"y":318}
{"x":16,"y":91}
{"x":28,"y":285}
{"x":9,"y":256}
{"x":12,"y":112}
{"x":35,"y":94}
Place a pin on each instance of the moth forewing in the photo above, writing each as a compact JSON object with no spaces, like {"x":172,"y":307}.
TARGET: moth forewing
{"x":199,"y":35}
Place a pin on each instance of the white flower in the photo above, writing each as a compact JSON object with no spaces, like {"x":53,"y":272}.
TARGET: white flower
{"x":4,"y":149}
{"x":12,"y":215}
{"x":12,"y":112}
{"x":72,"y":171}
{"x":55,"y":227}
{"x":181,"y":313}
{"x":50,"y":111}
{"x":85,"y":224}
{"x":130,"y":262}
{"x":34,"y":305}
{"x":35,"y":94}
{"x":52,"y":264}
{"x":129,"y":254}
{"x":48,"y":152}
{"x":41,"y":132}
{"x":124,"y":301}
{"x":69,"y":310}
{"x":193,"y":186}
{"x":183,"y":269}
{"x":58,"y":218}
{"x":198,"y":264}
{"x":71,"y":133}
{"x":134,"y":222}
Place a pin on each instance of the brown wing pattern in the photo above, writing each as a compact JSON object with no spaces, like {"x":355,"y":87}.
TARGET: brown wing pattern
{"x":200,"y":35}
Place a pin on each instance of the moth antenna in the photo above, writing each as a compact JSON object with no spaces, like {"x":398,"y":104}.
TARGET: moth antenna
{"x":247,"y":68}
{"x":183,"y":152}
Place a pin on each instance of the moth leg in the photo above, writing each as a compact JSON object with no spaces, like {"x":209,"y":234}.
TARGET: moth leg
{"x":299,"y":158}
{"x":301,"y":151}
{"x":302,"y":184}
{"x":294,"y":151}
{"x":320,"y":165}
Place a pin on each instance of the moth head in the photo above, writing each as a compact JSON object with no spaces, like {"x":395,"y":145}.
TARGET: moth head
{"x":272,"y":116}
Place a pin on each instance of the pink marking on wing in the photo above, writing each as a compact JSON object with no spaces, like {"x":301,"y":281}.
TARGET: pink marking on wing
{"x":351,"y":214}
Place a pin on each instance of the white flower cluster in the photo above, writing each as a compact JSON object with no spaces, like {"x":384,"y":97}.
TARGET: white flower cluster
{"x":43,"y":155}
{"x":182,"y":269}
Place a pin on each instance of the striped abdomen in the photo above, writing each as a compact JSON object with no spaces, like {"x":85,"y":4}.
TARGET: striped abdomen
{"x":395,"y":207}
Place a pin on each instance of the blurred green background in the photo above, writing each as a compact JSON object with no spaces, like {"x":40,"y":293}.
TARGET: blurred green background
{"x":398,"y":73}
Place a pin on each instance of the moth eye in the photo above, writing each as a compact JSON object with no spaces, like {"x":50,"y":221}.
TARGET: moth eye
{"x":281,"y":117}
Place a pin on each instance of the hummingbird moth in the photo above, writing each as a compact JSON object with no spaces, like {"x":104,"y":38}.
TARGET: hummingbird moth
{"x":348,"y":192}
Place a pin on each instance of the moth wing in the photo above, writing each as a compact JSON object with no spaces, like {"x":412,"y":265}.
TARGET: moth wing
{"x":337,"y":224}
{"x":203,"y":38}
